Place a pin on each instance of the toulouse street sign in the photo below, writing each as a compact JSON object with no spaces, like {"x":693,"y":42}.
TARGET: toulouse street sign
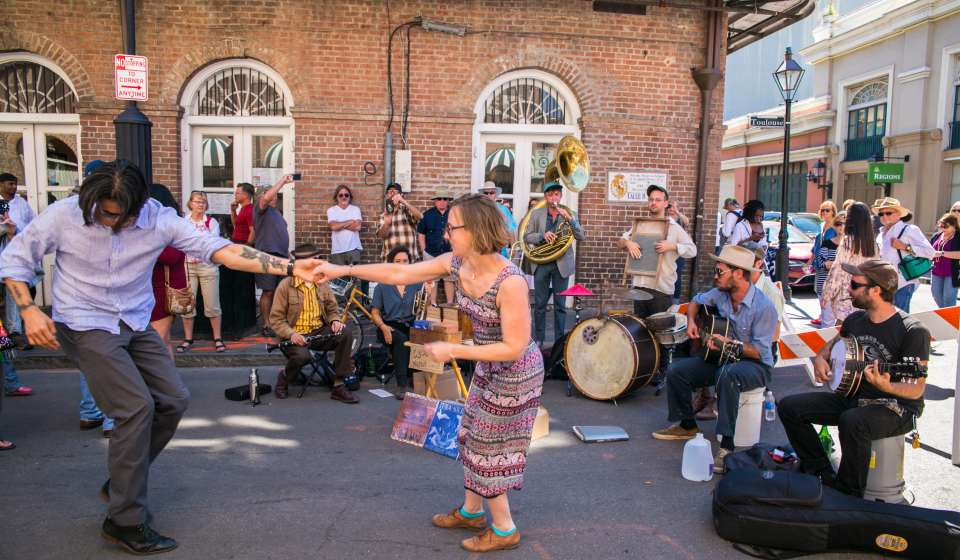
{"x":130,"y":77}
{"x":766,"y":122}
{"x":884,"y":172}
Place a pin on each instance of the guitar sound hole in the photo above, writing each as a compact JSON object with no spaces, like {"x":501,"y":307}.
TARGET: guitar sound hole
{"x":590,"y":334}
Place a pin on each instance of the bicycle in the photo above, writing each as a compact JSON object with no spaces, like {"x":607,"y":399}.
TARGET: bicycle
{"x":355,"y":303}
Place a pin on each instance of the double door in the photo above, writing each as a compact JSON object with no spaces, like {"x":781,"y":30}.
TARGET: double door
{"x":46,"y":160}
{"x":223,"y":156}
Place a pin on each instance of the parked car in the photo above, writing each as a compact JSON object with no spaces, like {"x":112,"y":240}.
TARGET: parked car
{"x":809,"y":223}
{"x":801,"y":274}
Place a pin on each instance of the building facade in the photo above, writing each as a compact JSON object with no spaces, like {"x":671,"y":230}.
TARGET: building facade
{"x":243,"y":91}
{"x":886,"y":79}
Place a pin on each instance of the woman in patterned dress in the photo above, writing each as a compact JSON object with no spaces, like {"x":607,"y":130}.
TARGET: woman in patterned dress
{"x":859,"y":244}
{"x":505,"y":393}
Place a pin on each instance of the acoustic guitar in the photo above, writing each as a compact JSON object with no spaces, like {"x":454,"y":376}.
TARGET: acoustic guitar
{"x":710,"y":323}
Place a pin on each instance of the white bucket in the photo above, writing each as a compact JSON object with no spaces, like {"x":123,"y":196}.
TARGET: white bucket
{"x":697,"y":459}
{"x":749,"y":418}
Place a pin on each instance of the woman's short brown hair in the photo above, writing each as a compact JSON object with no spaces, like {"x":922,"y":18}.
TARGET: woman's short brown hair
{"x":949,"y":219}
{"x":483,"y":219}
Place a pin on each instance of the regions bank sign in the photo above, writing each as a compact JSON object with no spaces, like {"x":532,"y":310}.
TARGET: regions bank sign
{"x":884,"y":172}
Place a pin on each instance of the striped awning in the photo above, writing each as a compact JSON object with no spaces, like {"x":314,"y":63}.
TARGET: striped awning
{"x":503,"y":156}
{"x":214,"y":152}
{"x":273,"y":157}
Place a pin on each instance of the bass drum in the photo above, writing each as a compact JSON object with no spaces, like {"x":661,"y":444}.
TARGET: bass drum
{"x":608,"y":358}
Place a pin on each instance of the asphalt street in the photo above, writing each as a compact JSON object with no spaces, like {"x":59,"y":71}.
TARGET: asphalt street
{"x":313,"y":478}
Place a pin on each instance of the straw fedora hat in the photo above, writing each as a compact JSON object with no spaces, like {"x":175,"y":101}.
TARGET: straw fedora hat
{"x":889,"y":203}
{"x":737,"y":257}
{"x":442,"y":193}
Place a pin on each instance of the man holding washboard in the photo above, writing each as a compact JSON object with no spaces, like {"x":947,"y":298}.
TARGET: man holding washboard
{"x":677,"y":244}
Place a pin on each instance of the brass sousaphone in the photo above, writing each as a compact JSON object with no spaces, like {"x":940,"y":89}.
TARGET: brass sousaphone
{"x":571,"y":168}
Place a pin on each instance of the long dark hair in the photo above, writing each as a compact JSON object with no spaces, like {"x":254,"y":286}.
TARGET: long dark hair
{"x":750,"y":211}
{"x":162,"y":194}
{"x":858,"y":234}
{"x":119,"y":181}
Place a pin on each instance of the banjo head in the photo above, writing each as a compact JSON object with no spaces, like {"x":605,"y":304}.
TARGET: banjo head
{"x":846,"y":381}
{"x":838,"y":363}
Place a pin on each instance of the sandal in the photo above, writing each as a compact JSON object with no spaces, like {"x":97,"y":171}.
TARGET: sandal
{"x":185,"y":345}
{"x":6,"y":445}
{"x":220,"y":346}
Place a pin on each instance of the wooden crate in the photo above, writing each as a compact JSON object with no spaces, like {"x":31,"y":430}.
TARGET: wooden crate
{"x":422,"y":336}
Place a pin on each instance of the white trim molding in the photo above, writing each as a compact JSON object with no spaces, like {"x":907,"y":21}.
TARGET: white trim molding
{"x":921,"y":73}
{"x":949,"y":66}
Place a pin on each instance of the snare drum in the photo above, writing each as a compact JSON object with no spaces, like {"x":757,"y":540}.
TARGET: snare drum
{"x":610,"y":357}
{"x":669,"y":328}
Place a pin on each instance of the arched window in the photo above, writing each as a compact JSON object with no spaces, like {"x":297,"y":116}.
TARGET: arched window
{"x":525,"y":101}
{"x":29,"y":87}
{"x":240,"y":91}
{"x":874,"y":92}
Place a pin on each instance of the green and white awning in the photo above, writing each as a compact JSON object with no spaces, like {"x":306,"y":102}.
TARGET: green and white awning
{"x":273,"y":158}
{"x":214,"y":151}
{"x":503,"y":156}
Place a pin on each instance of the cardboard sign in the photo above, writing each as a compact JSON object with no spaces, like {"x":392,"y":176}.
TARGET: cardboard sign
{"x":130,"y":77}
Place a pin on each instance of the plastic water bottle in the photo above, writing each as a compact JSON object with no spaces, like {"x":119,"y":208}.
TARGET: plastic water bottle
{"x":697,"y":460}
{"x":254,"y":382}
{"x":769,"y":407}
{"x":369,"y":367}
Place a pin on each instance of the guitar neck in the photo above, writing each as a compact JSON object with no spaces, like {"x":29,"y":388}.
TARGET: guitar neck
{"x":902,"y":370}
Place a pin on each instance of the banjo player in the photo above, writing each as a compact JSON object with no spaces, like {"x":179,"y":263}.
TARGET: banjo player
{"x":879,"y":408}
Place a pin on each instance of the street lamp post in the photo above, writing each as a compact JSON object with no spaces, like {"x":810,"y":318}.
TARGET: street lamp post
{"x":787,"y":76}
{"x":818,"y":176}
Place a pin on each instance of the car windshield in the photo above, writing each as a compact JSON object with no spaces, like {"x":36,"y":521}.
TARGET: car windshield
{"x":794,"y":235}
{"x":810,"y":226}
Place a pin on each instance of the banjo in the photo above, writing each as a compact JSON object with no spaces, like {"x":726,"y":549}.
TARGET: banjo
{"x":847,"y":363}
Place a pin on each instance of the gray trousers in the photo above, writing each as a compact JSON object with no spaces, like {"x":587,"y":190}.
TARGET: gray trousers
{"x":548,"y":281}
{"x":686,"y":374}
{"x":134,"y":381}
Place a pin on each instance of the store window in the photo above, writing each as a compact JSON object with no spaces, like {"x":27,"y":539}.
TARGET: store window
{"x":769,"y":191}
{"x":866,"y":121}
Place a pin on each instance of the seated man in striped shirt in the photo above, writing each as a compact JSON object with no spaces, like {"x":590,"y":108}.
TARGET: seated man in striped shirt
{"x":306,"y":314}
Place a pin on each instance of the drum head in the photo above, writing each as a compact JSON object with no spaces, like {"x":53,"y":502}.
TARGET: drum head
{"x":601,"y":358}
{"x":838,"y":363}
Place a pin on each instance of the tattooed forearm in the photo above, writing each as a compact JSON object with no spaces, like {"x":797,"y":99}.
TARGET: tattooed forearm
{"x":21,"y":294}
{"x":268,"y":264}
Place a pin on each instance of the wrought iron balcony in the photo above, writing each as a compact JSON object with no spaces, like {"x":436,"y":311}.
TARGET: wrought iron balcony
{"x":864,"y":148}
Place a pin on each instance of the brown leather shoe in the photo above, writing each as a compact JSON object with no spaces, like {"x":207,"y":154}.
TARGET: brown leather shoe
{"x":456,"y":520}
{"x":489,"y":541}
{"x":342,"y":394}
{"x":91,"y":424}
{"x":280,"y":391}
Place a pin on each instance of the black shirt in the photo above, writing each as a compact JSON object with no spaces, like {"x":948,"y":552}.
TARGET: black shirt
{"x":900,"y":336}
{"x":432,"y":226}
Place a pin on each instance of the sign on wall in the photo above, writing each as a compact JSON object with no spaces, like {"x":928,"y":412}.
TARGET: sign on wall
{"x":767,"y":122}
{"x":631,"y":186}
{"x":884,"y":172}
{"x":130,"y":77}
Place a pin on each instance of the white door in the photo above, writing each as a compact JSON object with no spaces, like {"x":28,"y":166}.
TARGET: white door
{"x":516,"y":163}
{"x":45,"y":158}
{"x":222,"y":156}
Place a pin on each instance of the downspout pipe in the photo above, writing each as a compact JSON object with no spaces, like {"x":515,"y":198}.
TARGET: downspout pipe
{"x":707,"y":79}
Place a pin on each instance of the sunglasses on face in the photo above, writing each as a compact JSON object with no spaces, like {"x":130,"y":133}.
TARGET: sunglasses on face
{"x":854,"y":285}
{"x":838,"y":224}
{"x":719,"y":272}
{"x":955,"y":210}
{"x":343,"y":195}
{"x":886,"y":214}
{"x":822,"y":210}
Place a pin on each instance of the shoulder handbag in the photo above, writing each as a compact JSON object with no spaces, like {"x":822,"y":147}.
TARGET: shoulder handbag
{"x":911,"y":266}
{"x":179,"y":300}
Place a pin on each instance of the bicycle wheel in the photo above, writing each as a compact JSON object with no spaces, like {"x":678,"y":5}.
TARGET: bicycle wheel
{"x":355,"y":327}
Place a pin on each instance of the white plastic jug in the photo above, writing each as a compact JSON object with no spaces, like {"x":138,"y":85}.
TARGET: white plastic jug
{"x":697,"y":459}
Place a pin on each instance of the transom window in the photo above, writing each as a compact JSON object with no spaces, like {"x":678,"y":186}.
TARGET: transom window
{"x":874,"y":92}
{"x":28,"y":87}
{"x":240,"y":92}
{"x":525,"y":101}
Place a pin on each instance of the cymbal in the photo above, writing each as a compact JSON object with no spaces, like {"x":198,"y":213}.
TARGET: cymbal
{"x":632,"y":294}
{"x":577,"y":290}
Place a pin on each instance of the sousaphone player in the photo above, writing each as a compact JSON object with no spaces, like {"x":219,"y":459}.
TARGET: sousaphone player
{"x":753,"y":319}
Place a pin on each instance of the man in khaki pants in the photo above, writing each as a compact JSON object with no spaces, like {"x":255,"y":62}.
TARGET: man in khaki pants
{"x":304,"y":309}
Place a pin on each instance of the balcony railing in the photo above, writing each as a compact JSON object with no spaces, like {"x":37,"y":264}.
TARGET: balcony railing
{"x":863,"y":148}
{"x":955,"y":135}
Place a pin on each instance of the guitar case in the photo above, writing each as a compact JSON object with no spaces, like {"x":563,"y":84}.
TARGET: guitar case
{"x":786,"y":510}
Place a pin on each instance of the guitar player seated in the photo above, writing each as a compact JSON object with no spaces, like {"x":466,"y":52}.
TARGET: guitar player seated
{"x":880,"y":408}
{"x":753,"y":320}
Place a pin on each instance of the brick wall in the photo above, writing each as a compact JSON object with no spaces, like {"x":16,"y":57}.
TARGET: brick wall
{"x":631,"y":76}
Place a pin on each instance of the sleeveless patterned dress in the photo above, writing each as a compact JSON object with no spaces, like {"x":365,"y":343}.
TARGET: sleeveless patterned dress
{"x":502,"y":402}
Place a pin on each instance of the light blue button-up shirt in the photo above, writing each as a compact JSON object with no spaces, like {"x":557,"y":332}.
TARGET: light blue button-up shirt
{"x":101,"y":278}
{"x":754,"y":323}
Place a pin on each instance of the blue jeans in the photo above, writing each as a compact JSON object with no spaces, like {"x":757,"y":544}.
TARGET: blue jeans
{"x":88,"y":406}
{"x":11,"y":315}
{"x":944,"y":292}
{"x":547,"y":281}
{"x":903,"y":296}
{"x":10,"y":375}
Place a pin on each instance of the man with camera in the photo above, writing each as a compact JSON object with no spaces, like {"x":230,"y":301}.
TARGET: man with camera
{"x":306,"y":314}
{"x":398,"y":224}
